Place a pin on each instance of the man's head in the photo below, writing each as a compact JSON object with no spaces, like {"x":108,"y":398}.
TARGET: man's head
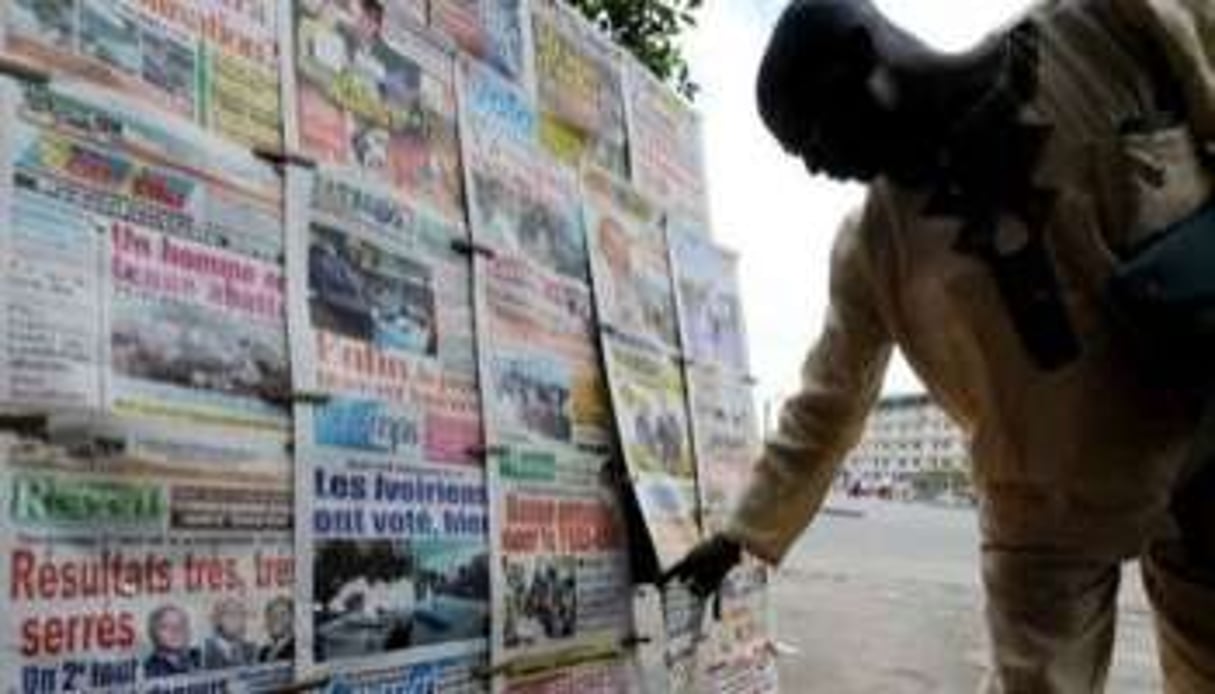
{"x":229,"y":618}
{"x":279,"y":618}
{"x":169,"y":628}
{"x":833,"y":89}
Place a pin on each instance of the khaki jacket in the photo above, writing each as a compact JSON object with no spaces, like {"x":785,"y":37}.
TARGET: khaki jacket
{"x":1082,"y":458}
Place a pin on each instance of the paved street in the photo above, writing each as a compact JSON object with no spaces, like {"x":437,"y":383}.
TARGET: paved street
{"x":890,"y":602}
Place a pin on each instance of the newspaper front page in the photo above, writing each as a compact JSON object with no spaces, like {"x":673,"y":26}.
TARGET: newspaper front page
{"x":213,"y":62}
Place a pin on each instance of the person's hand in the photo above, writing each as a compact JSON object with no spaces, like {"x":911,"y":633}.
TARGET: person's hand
{"x":706,"y":565}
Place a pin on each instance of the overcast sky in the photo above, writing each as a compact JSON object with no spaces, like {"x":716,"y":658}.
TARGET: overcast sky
{"x":763,"y":203}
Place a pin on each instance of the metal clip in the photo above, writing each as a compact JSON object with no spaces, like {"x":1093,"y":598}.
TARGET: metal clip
{"x":21,"y":70}
{"x":486,"y":452}
{"x":472,"y":248}
{"x":282,"y":158}
{"x":307,"y":397}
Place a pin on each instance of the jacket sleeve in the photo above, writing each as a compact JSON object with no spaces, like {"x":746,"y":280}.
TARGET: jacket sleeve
{"x":840,"y":379}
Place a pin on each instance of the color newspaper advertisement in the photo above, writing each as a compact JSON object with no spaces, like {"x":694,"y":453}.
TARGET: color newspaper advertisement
{"x":146,"y":561}
{"x":666,"y":151}
{"x":711,"y":320}
{"x":629,"y":262}
{"x":216,"y":63}
{"x":521,"y":202}
{"x":145,"y":264}
{"x":579,"y":89}
{"x":372,"y":94}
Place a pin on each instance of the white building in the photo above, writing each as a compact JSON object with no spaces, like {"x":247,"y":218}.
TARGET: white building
{"x":909,"y":449}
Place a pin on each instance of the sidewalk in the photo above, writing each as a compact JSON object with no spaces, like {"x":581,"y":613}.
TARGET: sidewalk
{"x":890,"y":602}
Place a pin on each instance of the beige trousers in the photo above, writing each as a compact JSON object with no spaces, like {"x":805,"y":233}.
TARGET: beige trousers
{"x":1051,"y":619}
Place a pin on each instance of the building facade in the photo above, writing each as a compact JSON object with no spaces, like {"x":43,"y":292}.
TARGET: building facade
{"x":909,"y":450}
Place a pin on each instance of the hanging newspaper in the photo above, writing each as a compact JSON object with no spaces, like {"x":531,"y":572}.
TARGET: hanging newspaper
{"x":604,"y":677}
{"x":216,"y":63}
{"x":629,"y":262}
{"x":152,"y":564}
{"x":580,"y":95}
{"x":392,"y":547}
{"x":544,"y":387}
{"x":521,"y":203}
{"x":726,"y":436}
{"x":368,"y":93}
{"x":738,"y":656}
{"x":651,"y":416}
{"x":666,"y":151}
{"x":710,"y":310}
{"x":393,"y":540}
{"x":562,"y":575}
{"x":491,"y":31}
{"x":382,"y":307}
{"x":143,"y":264}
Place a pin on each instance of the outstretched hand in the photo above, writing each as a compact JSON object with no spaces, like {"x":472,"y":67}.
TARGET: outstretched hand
{"x":706,"y":565}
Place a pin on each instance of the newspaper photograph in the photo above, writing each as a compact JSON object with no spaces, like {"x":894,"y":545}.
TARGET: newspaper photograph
{"x":544,"y":382}
{"x":492,"y":31}
{"x":561,"y":571}
{"x":371,"y":94}
{"x":648,"y":400}
{"x":521,"y":202}
{"x":710,"y":307}
{"x":726,"y":438}
{"x":135,"y":572}
{"x":216,"y":63}
{"x":146,"y":264}
{"x":666,"y":150}
{"x":394,"y":548}
{"x":382,"y":307}
{"x":579,"y":89}
{"x":629,"y":262}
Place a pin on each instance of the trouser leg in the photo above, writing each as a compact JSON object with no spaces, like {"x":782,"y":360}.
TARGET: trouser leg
{"x":1051,"y":620}
{"x":1183,"y":602}
{"x":1179,"y":575}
